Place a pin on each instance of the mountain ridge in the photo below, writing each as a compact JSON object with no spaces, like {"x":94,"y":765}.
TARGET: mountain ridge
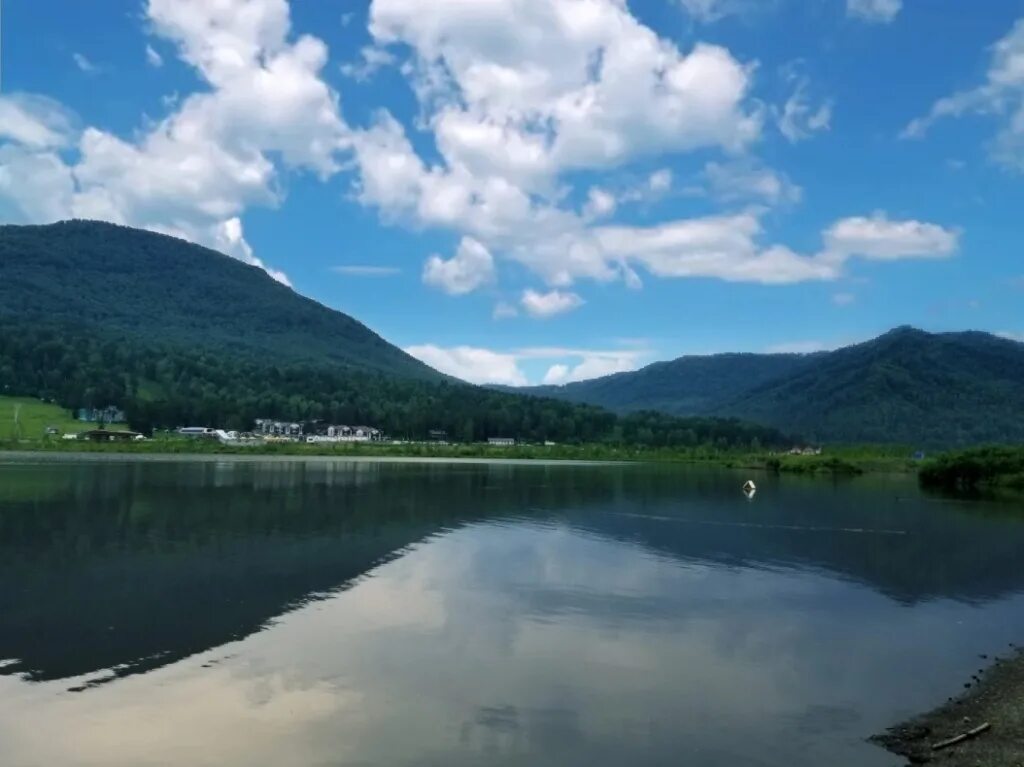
{"x":905,"y":385}
{"x":39,"y":265}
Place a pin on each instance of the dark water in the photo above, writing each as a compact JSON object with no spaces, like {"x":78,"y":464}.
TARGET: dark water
{"x":314,"y":613}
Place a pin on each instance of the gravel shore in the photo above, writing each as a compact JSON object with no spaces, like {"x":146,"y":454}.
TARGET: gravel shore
{"x":994,"y":696}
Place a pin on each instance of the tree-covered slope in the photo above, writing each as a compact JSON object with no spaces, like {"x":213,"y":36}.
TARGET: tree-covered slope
{"x":93,"y":314}
{"x":906,"y":386}
{"x":165,"y":290}
{"x":689,"y":385}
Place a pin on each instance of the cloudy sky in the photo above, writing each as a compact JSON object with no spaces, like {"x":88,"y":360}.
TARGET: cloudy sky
{"x":521,"y":191}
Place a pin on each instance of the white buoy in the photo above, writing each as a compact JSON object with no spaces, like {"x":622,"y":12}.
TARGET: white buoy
{"x":749,"y":488}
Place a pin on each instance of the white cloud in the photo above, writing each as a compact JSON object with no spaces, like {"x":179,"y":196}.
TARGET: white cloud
{"x":35,"y":122}
{"x":365,"y":270}
{"x":843,"y":299}
{"x":504,"y":311}
{"x":600,"y":203}
{"x":371,"y":59}
{"x":660,"y":180}
{"x":711,"y":10}
{"x":1001,"y":95}
{"x":592,"y":366}
{"x":556,"y":374}
{"x":193,"y":173}
{"x":520,"y":94}
{"x":799,"y":119}
{"x":487,"y":366}
{"x":874,"y":11}
{"x":746,"y":179}
{"x":153,"y":58}
{"x":878,"y":238}
{"x":479,"y":366}
{"x":523,"y":90}
{"x":471,"y":267}
{"x":549,"y":304}
{"x":84,"y":64}
{"x":724,"y":247}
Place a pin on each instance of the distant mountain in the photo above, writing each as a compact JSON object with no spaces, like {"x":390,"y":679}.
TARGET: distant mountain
{"x":162,"y":289}
{"x":694,"y":385}
{"x":93,"y":314}
{"x":905,"y":386}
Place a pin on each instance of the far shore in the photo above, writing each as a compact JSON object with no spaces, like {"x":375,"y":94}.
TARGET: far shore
{"x":833,"y":462}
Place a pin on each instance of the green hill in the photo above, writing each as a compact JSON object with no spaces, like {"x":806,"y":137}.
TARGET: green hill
{"x":692,"y":385}
{"x":906,"y":386}
{"x":28,"y":418}
{"x":93,"y":314}
{"x":164,"y":290}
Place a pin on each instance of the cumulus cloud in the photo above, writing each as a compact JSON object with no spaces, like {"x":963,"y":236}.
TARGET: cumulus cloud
{"x":600,"y":203}
{"x":746,"y":179}
{"x":877,"y":238}
{"x":518,"y":93}
{"x":193,"y":173}
{"x":660,"y":180}
{"x":549,"y":304}
{"x":371,"y":59}
{"x":471,"y":267}
{"x":874,"y":11}
{"x":35,"y":122}
{"x":479,"y":366}
{"x":1000,"y":96}
{"x":591,"y":366}
{"x":559,"y":88}
{"x":487,"y":366}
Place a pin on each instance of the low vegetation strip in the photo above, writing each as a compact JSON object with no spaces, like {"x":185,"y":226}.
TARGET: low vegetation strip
{"x":977,"y":468}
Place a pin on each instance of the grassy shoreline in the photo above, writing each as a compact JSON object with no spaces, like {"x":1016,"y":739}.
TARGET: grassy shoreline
{"x":840,"y":461}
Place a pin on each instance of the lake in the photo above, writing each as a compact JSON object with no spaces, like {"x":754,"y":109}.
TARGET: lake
{"x":313,"y":612}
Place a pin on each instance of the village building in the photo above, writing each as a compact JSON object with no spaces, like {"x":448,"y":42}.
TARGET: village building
{"x":109,"y":414}
{"x":501,"y":441}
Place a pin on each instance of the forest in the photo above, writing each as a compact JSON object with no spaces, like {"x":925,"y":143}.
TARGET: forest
{"x":166,"y":386}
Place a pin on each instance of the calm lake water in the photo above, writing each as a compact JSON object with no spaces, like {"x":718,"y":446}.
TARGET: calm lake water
{"x":247,"y":613}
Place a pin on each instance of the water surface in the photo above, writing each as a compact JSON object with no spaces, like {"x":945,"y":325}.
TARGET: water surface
{"x":250,"y":613}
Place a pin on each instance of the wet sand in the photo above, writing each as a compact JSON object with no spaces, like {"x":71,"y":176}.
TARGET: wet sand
{"x":994,"y":697}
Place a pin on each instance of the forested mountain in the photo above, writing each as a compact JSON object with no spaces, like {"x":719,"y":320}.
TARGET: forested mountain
{"x":93,"y":314}
{"x":163,"y":290}
{"x":905,"y":386}
{"x":690,"y":385}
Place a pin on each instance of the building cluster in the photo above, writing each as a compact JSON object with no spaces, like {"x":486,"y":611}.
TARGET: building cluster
{"x":316,"y":432}
{"x":109,"y":414}
{"x":805,"y":451}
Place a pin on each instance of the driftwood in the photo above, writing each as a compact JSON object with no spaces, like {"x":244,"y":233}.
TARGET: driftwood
{"x":962,"y":737}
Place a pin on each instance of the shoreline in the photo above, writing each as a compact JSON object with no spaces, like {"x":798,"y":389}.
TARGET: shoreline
{"x":993,"y":697}
{"x":833,"y":465}
{"x":56,"y":456}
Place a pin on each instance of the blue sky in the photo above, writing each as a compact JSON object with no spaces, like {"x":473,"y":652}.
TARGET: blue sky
{"x":528,"y":190}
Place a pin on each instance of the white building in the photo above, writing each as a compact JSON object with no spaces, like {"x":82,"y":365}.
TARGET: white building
{"x":501,"y":441}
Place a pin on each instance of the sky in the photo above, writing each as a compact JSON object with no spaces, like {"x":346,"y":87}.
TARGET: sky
{"x":543,"y":191}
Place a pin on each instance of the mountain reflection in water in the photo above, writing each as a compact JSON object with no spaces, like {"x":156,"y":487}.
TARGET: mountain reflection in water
{"x":428,"y":613}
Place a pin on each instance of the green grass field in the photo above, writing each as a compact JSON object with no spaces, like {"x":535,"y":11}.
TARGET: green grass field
{"x":33,"y":418}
